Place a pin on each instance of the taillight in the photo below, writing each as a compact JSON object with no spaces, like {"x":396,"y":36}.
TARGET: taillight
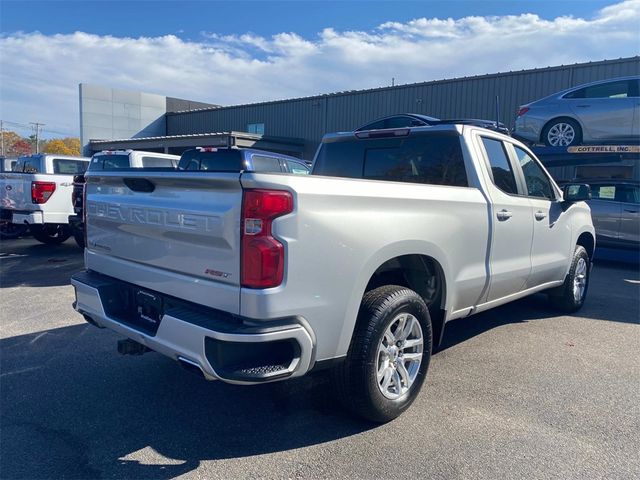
{"x":262,"y":255}
{"x":42,"y":191}
{"x":522,"y":111}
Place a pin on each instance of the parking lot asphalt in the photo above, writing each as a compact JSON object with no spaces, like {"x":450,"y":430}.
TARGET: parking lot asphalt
{"x":516,"y":392}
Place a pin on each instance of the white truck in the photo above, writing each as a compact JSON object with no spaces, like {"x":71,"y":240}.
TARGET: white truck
{"x":37,"y":194}
{"x":112,"y":160}
{"x":253,"y":277}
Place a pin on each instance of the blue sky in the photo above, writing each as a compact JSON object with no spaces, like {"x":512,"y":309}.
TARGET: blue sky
{"x":187,"y":18}
{"x":243,"y":52}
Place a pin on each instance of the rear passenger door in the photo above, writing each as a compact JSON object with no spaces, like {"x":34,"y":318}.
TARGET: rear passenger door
{"x":551,"y":247}
{"x":511,"y":222}
{"x":629,"y":196}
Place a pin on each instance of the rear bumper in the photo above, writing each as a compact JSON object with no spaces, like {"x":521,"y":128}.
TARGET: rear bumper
{"x":222,"y":346}
{"x":23,"y":216}
{"x":34,"y":217}
{"x":528,"y":128}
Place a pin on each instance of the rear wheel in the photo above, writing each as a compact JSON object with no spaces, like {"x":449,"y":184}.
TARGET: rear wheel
{"x":562,"y":132}
{"x":389,"y":354}
{"x":570,"y":296}
{"x":78,"y":236}
{"x":50,"y":233}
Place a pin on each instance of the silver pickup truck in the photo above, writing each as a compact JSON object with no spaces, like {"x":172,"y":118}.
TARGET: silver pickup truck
{"x":256,"y":277}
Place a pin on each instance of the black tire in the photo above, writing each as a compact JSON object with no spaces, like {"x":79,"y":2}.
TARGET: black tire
{"x":564,"y":297}
{"x":356,"y":379}
{"x":50,"y":233}
{"x":78,"y":236}
{"x":562,"y":123}
{"x":10,"y":231}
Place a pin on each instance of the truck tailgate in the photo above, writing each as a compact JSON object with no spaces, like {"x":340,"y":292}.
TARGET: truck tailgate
{"x":16,"y":191}
{"x":176,"y":232}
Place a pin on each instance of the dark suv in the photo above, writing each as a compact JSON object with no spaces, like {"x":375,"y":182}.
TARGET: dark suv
{"x":615,"y":209}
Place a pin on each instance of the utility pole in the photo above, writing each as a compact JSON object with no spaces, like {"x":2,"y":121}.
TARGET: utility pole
{"x":37,"y":127}
{"x":2,"y":136}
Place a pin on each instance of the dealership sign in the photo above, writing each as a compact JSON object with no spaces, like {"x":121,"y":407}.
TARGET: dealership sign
{"x":605,"y":149}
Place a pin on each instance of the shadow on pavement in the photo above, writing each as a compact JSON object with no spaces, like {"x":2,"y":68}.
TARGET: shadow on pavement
{"x":610,"y":282}
{"x":26,"y":262}
{"x":73,"y":408}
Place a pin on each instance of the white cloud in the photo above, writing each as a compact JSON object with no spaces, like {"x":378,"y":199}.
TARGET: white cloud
{"x":40,"y":73}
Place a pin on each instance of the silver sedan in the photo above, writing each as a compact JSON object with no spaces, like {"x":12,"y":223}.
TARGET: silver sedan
{"x":598,"y":112}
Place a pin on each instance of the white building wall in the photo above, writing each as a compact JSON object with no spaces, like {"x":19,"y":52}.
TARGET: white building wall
{"x":110,"y":113}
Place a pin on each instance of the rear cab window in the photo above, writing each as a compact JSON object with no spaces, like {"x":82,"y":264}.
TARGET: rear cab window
{"x":212,"y":160}
{"x":296,"y":168}
{"x":433,"y":158}
{"x":29,"y":165}
{"x":65,"y":166}
{"x":158,"y":162}
{"x":109,"y":162}
{"x":264,"y":163}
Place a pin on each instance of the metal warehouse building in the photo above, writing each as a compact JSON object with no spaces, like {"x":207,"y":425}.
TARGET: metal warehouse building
{"x":296,"y":126}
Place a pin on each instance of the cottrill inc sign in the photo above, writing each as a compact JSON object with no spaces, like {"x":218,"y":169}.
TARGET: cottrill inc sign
{"x":605,"y":149}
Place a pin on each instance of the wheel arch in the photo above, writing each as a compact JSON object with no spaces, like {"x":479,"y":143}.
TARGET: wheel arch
{"x":561,"y":117}
{"x":412,"y":253}
{"x":587,"y":240}
{"x":424,"y":275}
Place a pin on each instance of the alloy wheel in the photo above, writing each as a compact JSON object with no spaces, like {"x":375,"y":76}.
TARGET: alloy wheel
{"x":580,"y":280}
{"x":561,"y":135}
{"x":399,"y":356}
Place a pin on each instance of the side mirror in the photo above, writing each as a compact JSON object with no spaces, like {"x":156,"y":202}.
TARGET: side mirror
{"x":576,"y":192}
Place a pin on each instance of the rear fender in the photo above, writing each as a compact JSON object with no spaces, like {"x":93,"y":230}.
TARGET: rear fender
{"x":388,"y":252}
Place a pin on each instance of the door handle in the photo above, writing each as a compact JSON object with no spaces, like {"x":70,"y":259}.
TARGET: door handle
{"x":583,"y":106}
{"x":540,"y":215}
{"x":630,"y":211}
{"x":504,"y":215}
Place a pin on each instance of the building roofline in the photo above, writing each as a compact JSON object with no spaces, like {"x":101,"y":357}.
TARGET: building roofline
{"x":243,"y":135}
{"x":409,"y":85}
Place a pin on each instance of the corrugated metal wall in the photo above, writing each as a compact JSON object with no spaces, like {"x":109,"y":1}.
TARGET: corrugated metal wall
{"x":471,"y":97}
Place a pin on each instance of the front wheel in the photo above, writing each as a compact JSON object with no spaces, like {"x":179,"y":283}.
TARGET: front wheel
{"x":570,"y":296}
{"x":389,"y":354}
{"x":50,"y":233}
